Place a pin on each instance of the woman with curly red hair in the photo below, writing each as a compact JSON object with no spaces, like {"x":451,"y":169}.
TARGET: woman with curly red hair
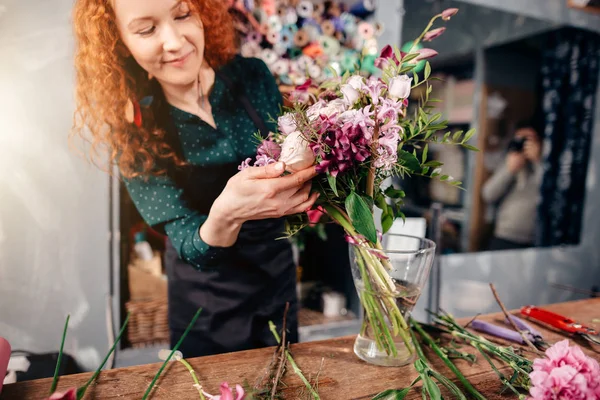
{"x":159,"y":85}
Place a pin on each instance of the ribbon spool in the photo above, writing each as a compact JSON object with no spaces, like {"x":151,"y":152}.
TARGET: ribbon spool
{"x":286,"y":38}
{"x":313,"y":50}
{"x":349,"y":61}
{"x":290,"y":17}
{"x":281,"y":67}
{"x":294,"y":52}
{"x":286,"y":79}
{"x":370,"y":47}
{"x":331,"y":46}
{"x":349,"y":23}
{"x":328,"y":28}
{"x":305,"y":9}
{"x":313,"y":29}
{"x":281,"y":11}
{"x":250,"y":49}
{"x":268,"y":56}
{"x":318,"y":9}
{"x":301,"y":38}
{"x":280,"y":49}
{"x":378,"y":28}
{"x":274,"y":24}
{"x":363,"y":8}
{"x":273,"y":37}
{"x":366,"y":31}
{"x":304,"y":62}
{"x":314,"y":71}
{"x":338,"y":24}
{"x":254,"y":37}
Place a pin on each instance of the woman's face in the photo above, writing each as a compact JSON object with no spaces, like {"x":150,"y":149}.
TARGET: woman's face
{"x":163,"y":36}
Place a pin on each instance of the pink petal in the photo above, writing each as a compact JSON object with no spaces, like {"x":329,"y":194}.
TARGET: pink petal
{"x":70,"y":394}
{"x":426,"y":53}
{"x":448,"y":13}
{"x":226,"y":392}
{"x":386,"y":52}
{"x":429,"y":36}
{"x":239,"y":391}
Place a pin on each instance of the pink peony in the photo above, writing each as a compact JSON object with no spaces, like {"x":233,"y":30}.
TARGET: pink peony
{"x":565,"y":373}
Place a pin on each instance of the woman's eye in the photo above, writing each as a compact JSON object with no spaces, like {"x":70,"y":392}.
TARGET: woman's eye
{"x":147,"y":31}
{"x":184,"y":16}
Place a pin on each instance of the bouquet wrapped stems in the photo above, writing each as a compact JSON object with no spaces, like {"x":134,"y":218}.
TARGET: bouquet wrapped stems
{"x":378,"y":292}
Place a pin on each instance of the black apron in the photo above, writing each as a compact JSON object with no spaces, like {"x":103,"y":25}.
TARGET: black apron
{"x":247,"y":286}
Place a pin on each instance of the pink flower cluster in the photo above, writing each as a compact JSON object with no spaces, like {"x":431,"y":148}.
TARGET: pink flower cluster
{"x":565,"y":374}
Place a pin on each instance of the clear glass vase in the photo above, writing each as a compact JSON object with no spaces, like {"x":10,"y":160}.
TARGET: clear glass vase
{"x":389,"y":280}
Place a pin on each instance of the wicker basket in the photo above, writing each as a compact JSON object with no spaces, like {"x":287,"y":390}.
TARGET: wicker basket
{"x":148,"y":325}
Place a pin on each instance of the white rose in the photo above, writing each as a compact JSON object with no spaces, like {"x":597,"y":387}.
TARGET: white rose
{"x":357,"y":82}
{"x":286,"y":124}
{"x":350,"y":94}
{"x":399,"y":87}
{"x":336,"y":106}
{"x":295,"y":152}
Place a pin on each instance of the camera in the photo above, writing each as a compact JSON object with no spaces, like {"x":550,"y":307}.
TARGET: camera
{"x":516,"y":145}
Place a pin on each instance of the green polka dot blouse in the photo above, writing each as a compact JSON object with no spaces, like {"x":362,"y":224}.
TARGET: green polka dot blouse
{"x":160,"y":201}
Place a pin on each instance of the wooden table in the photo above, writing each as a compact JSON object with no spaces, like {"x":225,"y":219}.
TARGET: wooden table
{"x":342,"y":376}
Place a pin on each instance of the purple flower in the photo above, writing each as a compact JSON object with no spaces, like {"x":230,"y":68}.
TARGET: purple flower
{"x":387,"y":55}
{"x":339,"y":147}
{"x":270,"y":149}
{"x":373,"y":88}
{"x":245,"y":164}
{"x":387,"y":150}
{"x":448,"y":13}
{"x":429,"y":36}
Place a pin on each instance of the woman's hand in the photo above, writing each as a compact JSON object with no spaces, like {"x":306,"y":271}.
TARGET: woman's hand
{"x":515,"y":161}
{"x":532,"y":149}
{"x":257,"y":193}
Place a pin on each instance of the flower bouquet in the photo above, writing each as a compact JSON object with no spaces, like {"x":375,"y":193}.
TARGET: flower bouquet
{"x":358,"y":132}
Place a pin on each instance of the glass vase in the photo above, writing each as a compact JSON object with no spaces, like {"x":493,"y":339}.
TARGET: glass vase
{"x":389,"y":280}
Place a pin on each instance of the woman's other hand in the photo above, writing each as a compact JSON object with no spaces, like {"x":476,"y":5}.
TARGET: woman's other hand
{"x":257,"y":193}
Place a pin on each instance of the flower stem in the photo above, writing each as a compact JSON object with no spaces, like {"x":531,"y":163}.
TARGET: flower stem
{"x":446,"y":360}
{"x":295,"y":367}
{"x":81,"y":391}
{"x":185,"y":333}
{"x":194,"y":377}
{"x":60,"y":354}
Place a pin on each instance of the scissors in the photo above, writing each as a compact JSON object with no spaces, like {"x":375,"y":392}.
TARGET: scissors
{"x":565,"y":324}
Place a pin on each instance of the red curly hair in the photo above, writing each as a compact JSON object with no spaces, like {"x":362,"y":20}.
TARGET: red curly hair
{"x":107,"y":78}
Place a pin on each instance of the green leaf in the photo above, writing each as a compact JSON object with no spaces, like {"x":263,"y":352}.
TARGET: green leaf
{"x":433,"y":164}
{"x":410,"y":57}
{"x":392,"y":394}
{"x":427,"y":70}
{"x":387,"y":220}
{"x":409,"y":161}
{"x":468,"y":135}
{"x":416,"y":79}
{"x":469,"y":147}
{"x":394,"y":193}
{"x":425,"y":170}
{"x":432,"y":389}
{"x":406,"y":68}
{"x":425,"y":150}
{"x":361,"y":216}
{"x":333,"y":184}
{"x":444,"y":178}
{"x":456,"y":136}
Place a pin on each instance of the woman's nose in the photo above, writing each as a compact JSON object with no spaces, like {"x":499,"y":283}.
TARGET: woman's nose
{"x":172,"y":39}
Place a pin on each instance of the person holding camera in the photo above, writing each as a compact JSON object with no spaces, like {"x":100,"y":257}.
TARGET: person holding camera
{"x":514,"y":189}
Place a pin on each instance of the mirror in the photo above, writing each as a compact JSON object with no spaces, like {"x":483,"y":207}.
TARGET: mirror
{"x":529,"y":91}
